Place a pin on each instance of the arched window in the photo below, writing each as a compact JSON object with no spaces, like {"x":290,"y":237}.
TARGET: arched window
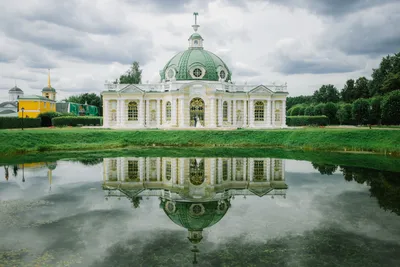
{"x":132,"y":111}
{"x":168,"y":111}
{"x":259,"y":111}
{"x":225,"y":111}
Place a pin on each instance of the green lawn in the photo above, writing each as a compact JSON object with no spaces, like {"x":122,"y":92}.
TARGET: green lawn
{"x":353,"y":139}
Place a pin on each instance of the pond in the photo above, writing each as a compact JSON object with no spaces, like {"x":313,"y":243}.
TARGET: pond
{"x":210,"y":211}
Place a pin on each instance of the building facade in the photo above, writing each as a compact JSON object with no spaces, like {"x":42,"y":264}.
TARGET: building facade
{"x":196,"y":91}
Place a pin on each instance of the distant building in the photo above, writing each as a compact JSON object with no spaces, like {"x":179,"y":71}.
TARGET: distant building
{"x":10,"y":108}
{"x":34,"y":105}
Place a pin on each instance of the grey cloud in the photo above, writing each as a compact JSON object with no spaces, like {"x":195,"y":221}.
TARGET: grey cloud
{"x":332,"y":8}
{"x":70,"y":43}
{"x":73,"y":14}
{"x":374,"y":33}
{"x":243,"y":71}
{"x":289,"y":66}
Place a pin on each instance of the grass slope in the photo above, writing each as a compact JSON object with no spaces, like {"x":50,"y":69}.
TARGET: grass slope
{"x":33,"y":140}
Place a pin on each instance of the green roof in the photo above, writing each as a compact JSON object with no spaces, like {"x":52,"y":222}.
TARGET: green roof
{"x":35,"y":97}
{"x":195,"y":36}
{"x":184,"y":61}
{"x":47,"y":89}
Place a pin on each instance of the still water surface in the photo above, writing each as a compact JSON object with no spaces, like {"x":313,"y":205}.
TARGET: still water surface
{"x":162,"y":211}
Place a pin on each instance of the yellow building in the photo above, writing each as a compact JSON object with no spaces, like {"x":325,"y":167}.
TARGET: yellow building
{"x":33,"y":105}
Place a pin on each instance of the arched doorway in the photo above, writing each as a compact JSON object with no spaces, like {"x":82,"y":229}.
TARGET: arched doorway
{"x":197,"y":112}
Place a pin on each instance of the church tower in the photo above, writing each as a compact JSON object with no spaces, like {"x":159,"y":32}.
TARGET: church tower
{"x":49,"y":92}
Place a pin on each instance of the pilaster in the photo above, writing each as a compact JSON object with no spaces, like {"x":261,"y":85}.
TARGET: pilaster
{"x":212,"y":112}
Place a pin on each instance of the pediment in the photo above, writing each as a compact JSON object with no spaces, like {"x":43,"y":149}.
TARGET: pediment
{"x":131,"y":89}
{"x":261,"y":89}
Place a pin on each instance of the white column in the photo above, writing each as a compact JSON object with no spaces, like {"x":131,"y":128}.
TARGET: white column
{"x":106,"y":114}
{"x":142,"y":175}
{"x":220,"y":117}
{"x":182,"y":112}
{"x":158,"y":162}
{"x":123,"y":169}
{"x":212,"y":112}
{"x":118,"y":112}
{"x":123,"y":113}
{"x":229,"y":111}
{"x":251,"y":117}
{"x":269,"y":113}
{"x":158,"y":112}
{"x":147,"y":113}
{"x":234,"y":169}
{"x":234,"y":113}
{"x":181,"y":171}
{"x":273,"y":113}
{"x":219,"y":170}
{"x":173,"y":170}
{"x":147,"y":169}
{"x":245,"y":113}
{"x":213,"y":171}
{"x":141,"y":113}
{"x":173,"y":111}
{"x":251,"y":169}
{"x":283,"y":116}
{"x":244,"y":169}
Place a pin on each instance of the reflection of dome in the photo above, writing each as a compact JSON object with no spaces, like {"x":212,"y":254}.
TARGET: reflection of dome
{"x":51,"y":165}
{"x":196,"y":64}
{"x":195,"y":216}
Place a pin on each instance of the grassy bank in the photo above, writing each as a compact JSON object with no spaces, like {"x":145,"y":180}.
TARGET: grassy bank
{"x":358,"y":140}
{"x":370,"y":161}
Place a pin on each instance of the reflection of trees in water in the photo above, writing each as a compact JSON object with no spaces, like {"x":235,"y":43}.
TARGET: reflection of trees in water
{"x":321,"y":247}
{"x":385,"y":185}
{"x":327,"y":169}
{"x":136,"y":202}
{"x":91,"y":162}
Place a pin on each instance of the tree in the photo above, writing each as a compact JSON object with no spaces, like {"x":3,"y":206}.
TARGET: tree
{"x":295,"y":111}
{"x":330,"y":110}
{"x":296,"y":100}
{"x":389,"y":64}
{"x":376,"y":111}
{"x":90,"y":99}
{"x":344,"y":114}
{"x":348,"y":91}
{"x":360,"y":111}
{"x":361,"y":88}
{"x":390,"y":108}
{"x":309,"y":111}
{"x":319,"y":109}
{"x":391,"y":83}
{"x":327,"y":93}
{"x":132,"y":75}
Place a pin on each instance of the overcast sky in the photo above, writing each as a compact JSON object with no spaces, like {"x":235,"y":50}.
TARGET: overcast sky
{"x":305,"y":43}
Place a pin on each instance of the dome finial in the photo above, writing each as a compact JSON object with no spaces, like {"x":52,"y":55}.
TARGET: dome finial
{"x":195,"y":26}
{"x":48,"y":82}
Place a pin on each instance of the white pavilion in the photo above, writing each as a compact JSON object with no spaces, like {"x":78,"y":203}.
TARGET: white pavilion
{"x":196,"y":91}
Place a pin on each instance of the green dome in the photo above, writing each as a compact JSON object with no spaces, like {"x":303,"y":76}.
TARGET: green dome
{"x":47,"y":89}
{"x":182,"y":65}
{"x":195,"y":36}
{"x":195,"y":216}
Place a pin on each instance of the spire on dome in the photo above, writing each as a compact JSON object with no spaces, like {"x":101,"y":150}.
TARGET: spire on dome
{"x":195,"y":26}
{"x":48,"y":81}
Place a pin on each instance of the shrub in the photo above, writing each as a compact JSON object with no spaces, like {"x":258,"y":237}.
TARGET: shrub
{"x":75,"y":121}
{"x":376,"y":111}
{"x":360,"y":111}
{"x":330,"y":110}
{"x":319,"y":109}
{"x":48,"y":116}
{"x":307,"y":120}
{"x":344,"y":114}
{"x":15,"y":122}
{"x":391,"y":108}
{"x":309,"y":111}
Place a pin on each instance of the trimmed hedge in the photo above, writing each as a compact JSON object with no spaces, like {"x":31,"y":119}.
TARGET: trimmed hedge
{"x":75,"y":121}
{"x":15,"y":122}
{"x":307,"y":120}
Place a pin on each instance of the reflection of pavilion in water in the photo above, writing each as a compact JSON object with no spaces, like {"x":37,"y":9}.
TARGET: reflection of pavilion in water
{"x":195,"y":193}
